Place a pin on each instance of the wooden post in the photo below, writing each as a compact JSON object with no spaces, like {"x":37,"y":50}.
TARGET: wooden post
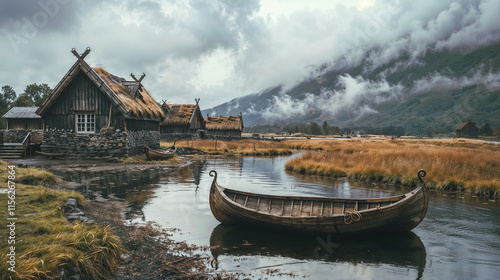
{"x":109,"y":117}
{"x":216,"y":144}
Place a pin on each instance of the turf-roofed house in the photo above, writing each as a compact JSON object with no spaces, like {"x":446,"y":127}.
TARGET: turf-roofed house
{"x":182,"y":119}
{"x":94,"y":114}
{"x":224,"y":126}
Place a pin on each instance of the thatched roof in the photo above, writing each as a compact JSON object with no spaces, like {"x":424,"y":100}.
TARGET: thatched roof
{"x":129,"y":96}
{"x":224,"y":123}
{"x":22,"y":113}
{"x":464,"y":124}
{"x":178,"y":114}
{"x":133,"y":95}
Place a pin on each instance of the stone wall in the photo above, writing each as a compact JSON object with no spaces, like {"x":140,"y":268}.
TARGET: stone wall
{"x":15,"y":135}
{"x":104,"y":145}
{"x":137,"y":139}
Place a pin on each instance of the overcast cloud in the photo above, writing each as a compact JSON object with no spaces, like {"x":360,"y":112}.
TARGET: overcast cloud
{"x":220,"y":50}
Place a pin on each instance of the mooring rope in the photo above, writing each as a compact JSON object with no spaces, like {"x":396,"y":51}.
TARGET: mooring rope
{"x":351,"y":216}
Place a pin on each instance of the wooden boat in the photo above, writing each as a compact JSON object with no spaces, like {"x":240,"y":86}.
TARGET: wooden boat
{"x":320,"y":214}
{"x":52,"y":155}
{"x":165,"y":153}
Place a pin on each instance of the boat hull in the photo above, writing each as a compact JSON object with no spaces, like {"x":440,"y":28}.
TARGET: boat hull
{"x":319,"y":215}
{"x":156,"y":155}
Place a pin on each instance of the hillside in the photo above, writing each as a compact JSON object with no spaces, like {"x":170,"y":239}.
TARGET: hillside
{"x":438,"y":90}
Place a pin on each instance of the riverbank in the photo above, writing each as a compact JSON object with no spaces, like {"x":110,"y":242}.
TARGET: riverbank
{"x":49,"y":247}
{"x":469,"y":166}
{"x":42,"y":244}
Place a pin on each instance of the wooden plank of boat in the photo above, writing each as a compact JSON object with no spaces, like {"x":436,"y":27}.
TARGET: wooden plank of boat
{"x":320,"y":214}
{"x":167,"y":153}
{"x":52,"y":155}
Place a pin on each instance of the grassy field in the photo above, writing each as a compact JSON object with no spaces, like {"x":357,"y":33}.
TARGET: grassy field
{"x":466,"y":165}
{"x":45,"y":242}
{"x":239,"y":147}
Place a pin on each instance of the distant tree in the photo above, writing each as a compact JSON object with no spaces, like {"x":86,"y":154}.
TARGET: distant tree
{"x":334,"y":130}
{"x":325,"y":129}
{"x":486,"y":130}
{"x":7,"y":97}
{"x":314,"y":129}
{"x":38,"y":93}
{"x":23,"y":100}
{"x":8,"y":94}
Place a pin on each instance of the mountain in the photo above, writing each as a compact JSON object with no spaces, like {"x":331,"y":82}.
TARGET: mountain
{"x":437,"y":90}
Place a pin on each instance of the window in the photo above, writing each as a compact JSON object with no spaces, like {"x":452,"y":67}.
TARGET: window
{"x":85,"y":123}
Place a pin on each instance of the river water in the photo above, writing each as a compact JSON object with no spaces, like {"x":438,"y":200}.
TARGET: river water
{"x":458,"y":239}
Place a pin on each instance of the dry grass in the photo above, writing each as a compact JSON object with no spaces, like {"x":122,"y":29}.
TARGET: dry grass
{"x":45,"y":241}
{"x":143,"y":159}
{"x":468,"y":166}
{"x":240,"y":147}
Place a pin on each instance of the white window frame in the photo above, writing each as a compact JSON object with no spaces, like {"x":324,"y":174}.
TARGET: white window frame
{"x":84,"y":123}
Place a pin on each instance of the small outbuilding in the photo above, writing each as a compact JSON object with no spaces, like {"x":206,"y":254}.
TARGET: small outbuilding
{"x":23,"y":118}
{"x":224,"y":126}
{"x":467,"y":129}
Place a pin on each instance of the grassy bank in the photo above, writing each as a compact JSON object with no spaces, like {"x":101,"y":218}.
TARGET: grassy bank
{"x":235,"y":147}
{"x":45,"y":242}
{"x":469,"y":166}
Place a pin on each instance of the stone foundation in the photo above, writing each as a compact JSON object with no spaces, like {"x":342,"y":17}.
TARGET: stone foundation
{"x":104,"y":145}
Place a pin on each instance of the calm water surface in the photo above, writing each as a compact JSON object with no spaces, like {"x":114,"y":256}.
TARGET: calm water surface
{"x":458,"y":239}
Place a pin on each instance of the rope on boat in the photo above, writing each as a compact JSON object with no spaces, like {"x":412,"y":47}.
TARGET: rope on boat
{"x":351,"y":216}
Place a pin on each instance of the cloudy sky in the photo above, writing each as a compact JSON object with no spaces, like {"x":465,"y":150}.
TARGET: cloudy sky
{"x":222,"y":49}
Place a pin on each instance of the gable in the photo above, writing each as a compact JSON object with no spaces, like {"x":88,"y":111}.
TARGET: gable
{"x":129,"y":98}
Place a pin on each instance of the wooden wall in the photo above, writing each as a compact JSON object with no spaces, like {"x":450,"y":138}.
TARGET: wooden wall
{"x":198,"y":122}
{"x":83,"y":96}
{"x":224,"y":132}
{"x":24,"y":123}
{"x":468,"y":131}
{"x":175,"y":129}
{"x":136,"y":125}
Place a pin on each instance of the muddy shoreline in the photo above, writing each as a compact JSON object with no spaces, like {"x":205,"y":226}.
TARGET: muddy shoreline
{"x":148,"y":253}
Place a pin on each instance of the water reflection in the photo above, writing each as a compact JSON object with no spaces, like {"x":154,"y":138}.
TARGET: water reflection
{"x":400,"y":249}
{"x":460,"y":233}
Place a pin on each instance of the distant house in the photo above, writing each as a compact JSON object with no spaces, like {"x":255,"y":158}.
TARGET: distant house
{"x":182,"y":118}
{"x":88,"y":100}
{"x":467,"y":129}
{"x":23,"y":118}
{"x":224,"y":126}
